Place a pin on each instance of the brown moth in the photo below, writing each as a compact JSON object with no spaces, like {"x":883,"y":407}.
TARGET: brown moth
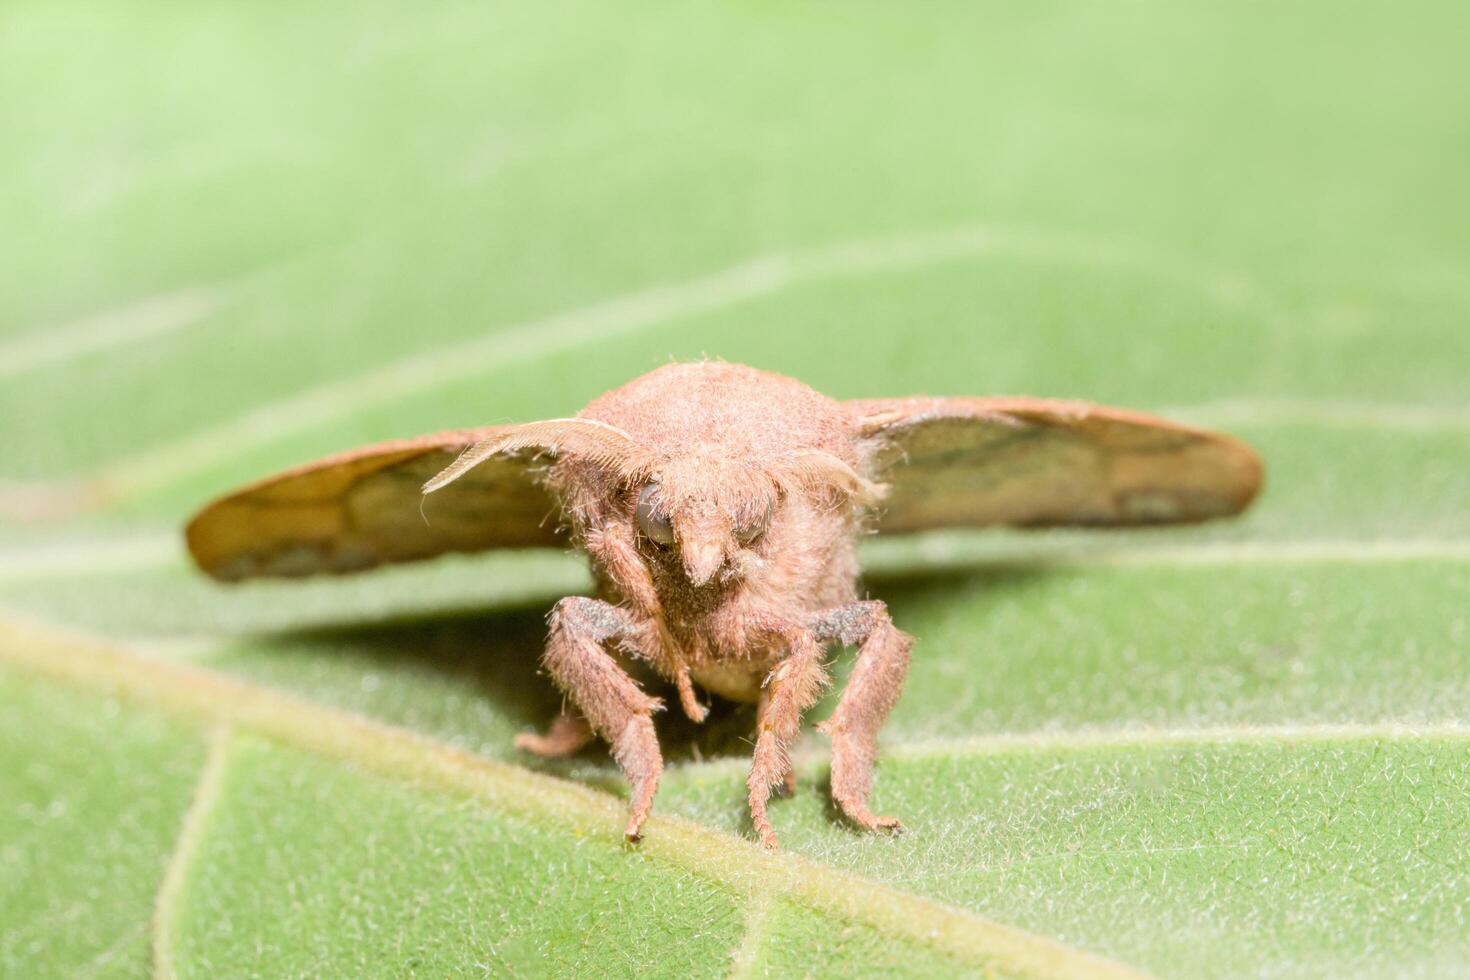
{"x":719,"y":507}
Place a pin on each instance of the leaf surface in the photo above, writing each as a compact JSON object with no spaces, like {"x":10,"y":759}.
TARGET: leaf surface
{"x":272,"y":234}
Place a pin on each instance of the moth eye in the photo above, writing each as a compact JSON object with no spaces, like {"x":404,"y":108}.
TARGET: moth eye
{"x":747,"y":532}
{"x":655,"y":526}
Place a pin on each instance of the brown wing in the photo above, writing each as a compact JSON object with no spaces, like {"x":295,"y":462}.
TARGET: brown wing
{"x":1034,"y":462}
{"x":365,"y":507}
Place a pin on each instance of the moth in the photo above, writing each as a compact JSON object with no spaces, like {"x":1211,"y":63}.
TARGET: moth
{"x":719,"y":507}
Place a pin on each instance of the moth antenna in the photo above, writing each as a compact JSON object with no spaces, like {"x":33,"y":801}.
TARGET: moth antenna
{"x":589,"y":439}
{"x":816,"y":468}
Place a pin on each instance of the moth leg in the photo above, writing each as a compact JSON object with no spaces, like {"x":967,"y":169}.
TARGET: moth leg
{"x":608,"y":698}
{"x":790,"y":689}
{"x":787,"y":786}
{"x":876,"y":682}
{"x":569,"y":731}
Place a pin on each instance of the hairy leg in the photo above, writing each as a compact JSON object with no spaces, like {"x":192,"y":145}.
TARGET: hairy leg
{"x":608,"y":698}
{"x":787,"y":786}
{"x":790,"y":689}
{"x":569,"y":731}
{"x":876,"y":682}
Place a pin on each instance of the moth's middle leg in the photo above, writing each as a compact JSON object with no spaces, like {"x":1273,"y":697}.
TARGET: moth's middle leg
{"x":872,"y":690}
{"x":613,"y":704}
{"x":791,"y":688}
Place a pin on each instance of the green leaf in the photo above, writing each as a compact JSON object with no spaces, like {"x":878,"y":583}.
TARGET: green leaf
{"x":289,"y":784}
{"x":93,"y":793}
{"x":247,"y":236}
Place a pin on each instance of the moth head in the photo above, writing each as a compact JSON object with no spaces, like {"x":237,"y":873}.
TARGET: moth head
{"x":714,"y":513}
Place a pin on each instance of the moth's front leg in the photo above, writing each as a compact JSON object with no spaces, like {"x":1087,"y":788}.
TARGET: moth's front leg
{"x":791,"y":688}
{"x":787,"y":786}
{"x":876,"y":682}
{"x":608,"y":698}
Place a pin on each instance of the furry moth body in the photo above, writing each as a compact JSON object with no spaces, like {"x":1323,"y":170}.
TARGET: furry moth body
{"x":719,"y":507}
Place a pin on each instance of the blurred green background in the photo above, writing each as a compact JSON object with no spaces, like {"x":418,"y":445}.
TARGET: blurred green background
{"x":239,"y":235}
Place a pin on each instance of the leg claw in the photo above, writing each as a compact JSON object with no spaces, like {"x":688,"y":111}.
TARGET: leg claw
{"x":634,"y":832}
{"x":866,"y":820}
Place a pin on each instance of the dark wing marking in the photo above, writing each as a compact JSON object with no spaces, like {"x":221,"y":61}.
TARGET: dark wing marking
{"x":1035,"y":462}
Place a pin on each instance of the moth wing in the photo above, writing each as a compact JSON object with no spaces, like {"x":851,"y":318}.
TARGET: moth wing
{"x":1037,"y":462}
{"x":365,"y":507}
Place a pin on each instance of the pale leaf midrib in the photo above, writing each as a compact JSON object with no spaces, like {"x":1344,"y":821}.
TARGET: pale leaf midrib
{"x":738,"y":865}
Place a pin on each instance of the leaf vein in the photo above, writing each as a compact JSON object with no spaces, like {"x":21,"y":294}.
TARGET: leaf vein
{"x":753,"y":278}
{"x":217,"y":700}
{"x":167,"y":904}
{"x":746,"y":957}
